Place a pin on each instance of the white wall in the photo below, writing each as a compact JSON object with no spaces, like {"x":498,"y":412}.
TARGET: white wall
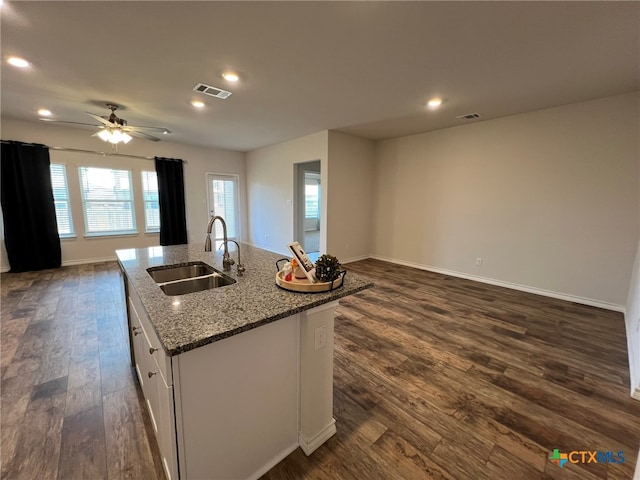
{"x":200,"y":161}
{"x":349,"y":195}
{"x":270,"y":195}
{"x":548,"y":200}
{"x":347,"y":180}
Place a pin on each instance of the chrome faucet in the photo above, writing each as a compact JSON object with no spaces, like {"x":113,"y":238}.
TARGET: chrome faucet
{"x":240,"y":266}
{"x":227,"y":261}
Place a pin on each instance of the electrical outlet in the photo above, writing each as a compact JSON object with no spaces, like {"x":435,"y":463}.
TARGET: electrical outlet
{"x":478,"y":262}
{"x":321,"y":337}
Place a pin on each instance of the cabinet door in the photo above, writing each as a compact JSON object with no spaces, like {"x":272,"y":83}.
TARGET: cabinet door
{"x":150,"y":362}
{"x":138,"y":342}
{"x":155,"y":347}
{"x":166,"y":435}
{"x":160,"y":405}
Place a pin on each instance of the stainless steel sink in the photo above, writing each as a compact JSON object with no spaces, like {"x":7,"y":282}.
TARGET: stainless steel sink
{"x":188,"y":278}
{"x":171,"y":273}
{"x":192,"y":285}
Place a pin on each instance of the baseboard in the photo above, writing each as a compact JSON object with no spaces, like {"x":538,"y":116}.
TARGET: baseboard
{"x":69,"y":263}
{"x":268,"y":249}
{"x":273,"y":462}
{"x":309,"y":445}
{"x":514,"y":286}
{"x":355,"y":259}
{"x":288,"y":254}
{"x":636,"y":393}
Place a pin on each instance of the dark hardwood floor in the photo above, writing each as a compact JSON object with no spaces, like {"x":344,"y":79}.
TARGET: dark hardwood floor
{"x":435,"y":377}
{"x":71,"y":407}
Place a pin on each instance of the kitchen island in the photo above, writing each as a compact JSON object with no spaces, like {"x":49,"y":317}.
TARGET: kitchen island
{"x":234,"y":378}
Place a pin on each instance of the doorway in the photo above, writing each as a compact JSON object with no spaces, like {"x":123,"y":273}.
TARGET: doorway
{"x":308,"y":205}
{"x":222,"y":200}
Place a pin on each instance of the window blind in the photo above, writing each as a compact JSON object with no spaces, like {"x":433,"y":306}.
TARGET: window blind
{"x":151,"y":205}
{"x":107,"y":199}
{"x":61,"y":199}
{"x":311,"y":199}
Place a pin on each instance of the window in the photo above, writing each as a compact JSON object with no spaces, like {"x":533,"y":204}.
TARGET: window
{"x":311,"y":198}
{"x":223,"y":201}
{"x":61,"y":199}
{"x":107,"y":201}
{"x":151,"y":205}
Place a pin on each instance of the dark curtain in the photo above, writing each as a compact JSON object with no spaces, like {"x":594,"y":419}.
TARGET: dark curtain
{"x":173,"y":220}
{"x":28,"y":210}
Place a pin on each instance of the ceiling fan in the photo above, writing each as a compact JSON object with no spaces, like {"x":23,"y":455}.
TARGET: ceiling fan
{"x":114,"y":129}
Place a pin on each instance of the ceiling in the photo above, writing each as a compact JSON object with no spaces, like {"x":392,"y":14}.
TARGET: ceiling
{"x":365,"y":68}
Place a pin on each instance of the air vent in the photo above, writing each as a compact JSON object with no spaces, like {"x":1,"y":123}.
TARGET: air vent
{"x":211,"y":91}
{"x":469,"y":116}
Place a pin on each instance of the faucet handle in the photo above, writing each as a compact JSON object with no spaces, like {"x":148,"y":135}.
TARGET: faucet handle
{"x":227,"y":261}
{"x":241,"y":269}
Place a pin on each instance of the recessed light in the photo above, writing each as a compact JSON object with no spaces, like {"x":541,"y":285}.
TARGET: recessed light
{"x":434,"y":102}
{"x":197,"y":104}
{"x":18,"y":62}
{"x":43,"y":112}
{"x":230,"y":76}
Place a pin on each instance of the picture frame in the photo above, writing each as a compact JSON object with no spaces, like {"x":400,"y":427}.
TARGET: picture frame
{"x":305,"y":263}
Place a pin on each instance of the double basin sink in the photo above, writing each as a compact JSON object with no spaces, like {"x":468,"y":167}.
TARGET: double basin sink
{"x":188,"y":278}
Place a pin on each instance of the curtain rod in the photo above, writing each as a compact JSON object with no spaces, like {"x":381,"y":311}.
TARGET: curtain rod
{"x":104,"y":154}
{"x":95,"y":152}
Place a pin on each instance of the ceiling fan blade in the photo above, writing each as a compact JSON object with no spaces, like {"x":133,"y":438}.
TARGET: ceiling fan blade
{"x":72,"y":123}
{"x":143,"y":135}
{"x":104,"y":121}
{"x":134,"y":128}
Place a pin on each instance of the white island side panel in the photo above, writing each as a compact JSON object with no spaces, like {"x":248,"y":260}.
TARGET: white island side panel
{"x":237,"y":402}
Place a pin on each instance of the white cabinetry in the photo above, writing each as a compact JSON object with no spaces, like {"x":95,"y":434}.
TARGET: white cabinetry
{"x":155,"y":375}
{"x":234,"y":408}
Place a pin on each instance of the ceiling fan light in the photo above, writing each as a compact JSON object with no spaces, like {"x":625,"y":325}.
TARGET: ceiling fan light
{"x":104,"y":135}
{"x":116,"y":137}
{"x":126,"y":138}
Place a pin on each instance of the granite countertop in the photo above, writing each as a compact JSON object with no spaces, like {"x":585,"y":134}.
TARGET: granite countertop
{"x":189,"y":321}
